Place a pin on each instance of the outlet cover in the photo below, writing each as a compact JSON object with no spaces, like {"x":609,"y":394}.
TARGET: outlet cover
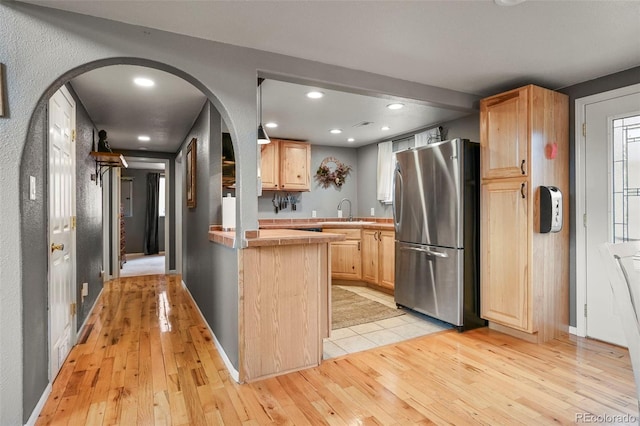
{"x":85,"y":289}
{"x":32,"y":187}
{"x":314,"y":213}
{"x":373,"y":211}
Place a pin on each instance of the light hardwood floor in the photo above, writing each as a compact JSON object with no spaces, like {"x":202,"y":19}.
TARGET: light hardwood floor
{"x":147,"y":358}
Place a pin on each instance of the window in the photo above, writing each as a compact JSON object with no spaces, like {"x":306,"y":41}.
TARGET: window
{"x":626,"y":182}
{"x":161,"y":190}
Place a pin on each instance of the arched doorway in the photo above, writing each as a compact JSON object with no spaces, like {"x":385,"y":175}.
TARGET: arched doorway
{"x":34,"y":225}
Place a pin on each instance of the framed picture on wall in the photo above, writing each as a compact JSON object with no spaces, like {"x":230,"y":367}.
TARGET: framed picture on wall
{"x":191,"y":173}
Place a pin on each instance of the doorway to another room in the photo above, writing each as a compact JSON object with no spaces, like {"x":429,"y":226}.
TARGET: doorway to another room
{"x":143,"y":222}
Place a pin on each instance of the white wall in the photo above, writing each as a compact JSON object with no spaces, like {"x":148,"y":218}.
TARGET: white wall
{"x":42,"y":48}
{"x":466,"y":128}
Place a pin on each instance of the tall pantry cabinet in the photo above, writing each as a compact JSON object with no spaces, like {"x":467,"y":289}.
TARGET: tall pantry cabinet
{"x":524,"y":140}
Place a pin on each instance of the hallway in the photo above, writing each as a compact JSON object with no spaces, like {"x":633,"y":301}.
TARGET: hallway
{"x":147,"y":358}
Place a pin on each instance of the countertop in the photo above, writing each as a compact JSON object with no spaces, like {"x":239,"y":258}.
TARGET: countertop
{"x":275,"y":237}
{"x":292,"y":231}
{"x":362,"y":223}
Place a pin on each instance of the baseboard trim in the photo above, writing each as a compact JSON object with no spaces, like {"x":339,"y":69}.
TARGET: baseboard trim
{"x":84,"y":323}
{"x":39,"y":406}
{"x":573,"y":330}
{"x":235,"y":375}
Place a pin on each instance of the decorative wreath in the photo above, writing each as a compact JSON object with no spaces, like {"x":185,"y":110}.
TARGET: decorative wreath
{"x":336,"y":175}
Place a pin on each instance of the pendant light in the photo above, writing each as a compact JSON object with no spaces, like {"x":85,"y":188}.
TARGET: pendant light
{"x":263,"y":138}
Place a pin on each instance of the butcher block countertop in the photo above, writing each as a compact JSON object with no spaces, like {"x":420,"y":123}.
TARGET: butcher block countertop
{"x":274,"y":237}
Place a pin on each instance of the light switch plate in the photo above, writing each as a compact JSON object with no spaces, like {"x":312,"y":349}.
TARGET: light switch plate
{"x":32,"y":187}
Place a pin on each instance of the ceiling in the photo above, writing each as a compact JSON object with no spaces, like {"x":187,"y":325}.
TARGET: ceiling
{"x":164,"y":112}
{"x":472,"y":46}
{"x":357,"y":116}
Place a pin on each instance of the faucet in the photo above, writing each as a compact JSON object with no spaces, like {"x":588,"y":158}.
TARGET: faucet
{"x":340,"y":208}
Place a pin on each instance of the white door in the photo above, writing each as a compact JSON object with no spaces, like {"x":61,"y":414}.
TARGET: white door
{"x":612,"y":201}
{"x":61,"y":228}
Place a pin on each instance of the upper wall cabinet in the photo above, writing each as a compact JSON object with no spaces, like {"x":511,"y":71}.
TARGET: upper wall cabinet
{"x":285,"y":165}
{"x":504,"y":134}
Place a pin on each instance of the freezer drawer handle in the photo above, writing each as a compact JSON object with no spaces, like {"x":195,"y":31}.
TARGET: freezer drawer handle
{"x":425,"y":250}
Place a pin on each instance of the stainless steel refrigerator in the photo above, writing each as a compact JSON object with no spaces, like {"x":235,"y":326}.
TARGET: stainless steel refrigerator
{"x":436,"y":215}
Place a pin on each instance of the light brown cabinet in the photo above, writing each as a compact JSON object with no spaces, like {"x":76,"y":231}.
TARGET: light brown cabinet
{"x":285,"y":165}
{"x":504,"y":127}
{"x":378,"y":257}
{"x":387,"y":244}
{"x":505,"y":295}
{"x":370,"y":265}
{"x":524,"y":274}
{"x":346,"y":259}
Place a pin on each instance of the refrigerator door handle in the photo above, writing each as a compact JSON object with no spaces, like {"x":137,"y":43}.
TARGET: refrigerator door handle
{"x":424,"y":250}
{"x":395,"y":200}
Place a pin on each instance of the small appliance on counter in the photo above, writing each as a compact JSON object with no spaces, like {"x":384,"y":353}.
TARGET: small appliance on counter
{"x":436,"y":211}
{"x":228,"y":213}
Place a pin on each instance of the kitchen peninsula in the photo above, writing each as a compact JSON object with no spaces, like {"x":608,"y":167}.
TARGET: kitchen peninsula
{"x":285,"y":310}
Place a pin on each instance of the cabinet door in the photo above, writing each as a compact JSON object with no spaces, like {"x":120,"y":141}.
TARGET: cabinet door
{"x":370,"y":255}
{"x":345,"y":260}
{"x":387,"y":258}
{"x":269,"y":165}
{"x":295,"y":160}
{"x":505,"y":292}
{"x":504,"y":134}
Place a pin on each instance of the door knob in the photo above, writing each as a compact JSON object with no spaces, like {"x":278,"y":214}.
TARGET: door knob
{"x":55,"y":247}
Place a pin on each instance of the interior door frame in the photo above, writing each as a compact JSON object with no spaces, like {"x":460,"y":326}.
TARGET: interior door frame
{"x":581,"y":206}
{"x":167,"y":211}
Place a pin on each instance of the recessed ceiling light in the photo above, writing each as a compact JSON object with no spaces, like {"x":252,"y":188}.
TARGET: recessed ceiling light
{"x":350,"y":140}
{"x":144,"y":82}
{"x":144,"y":138}
{"x":271,"y":125}
{"x":315,"y":94}
{"x":385,"y":128}
{"x":335,"y":131}
{"x":395,"y":106}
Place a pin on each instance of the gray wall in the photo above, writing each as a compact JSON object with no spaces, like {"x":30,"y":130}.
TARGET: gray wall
{"x":467,"y":128}
{"x":323,"y":200}
{"x":44,"y":48}
{"x":34,"y":272}
{"x":210,"y":271}
{"x":134,"y":225}
{"x":89,"y":215}
{"x":35,"y":230}
{"x":587,"y":88}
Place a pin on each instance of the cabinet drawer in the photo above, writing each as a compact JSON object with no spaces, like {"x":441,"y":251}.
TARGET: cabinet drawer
{"x":350,"y":234}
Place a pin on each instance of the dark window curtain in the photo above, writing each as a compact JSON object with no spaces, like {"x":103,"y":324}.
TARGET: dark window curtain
{"x":151,"y":220}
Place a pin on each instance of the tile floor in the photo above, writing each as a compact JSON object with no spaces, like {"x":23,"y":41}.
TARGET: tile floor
{"x":378,"y":333}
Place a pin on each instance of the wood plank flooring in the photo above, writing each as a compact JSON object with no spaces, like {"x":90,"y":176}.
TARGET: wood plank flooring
{"x":147,"y":358}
